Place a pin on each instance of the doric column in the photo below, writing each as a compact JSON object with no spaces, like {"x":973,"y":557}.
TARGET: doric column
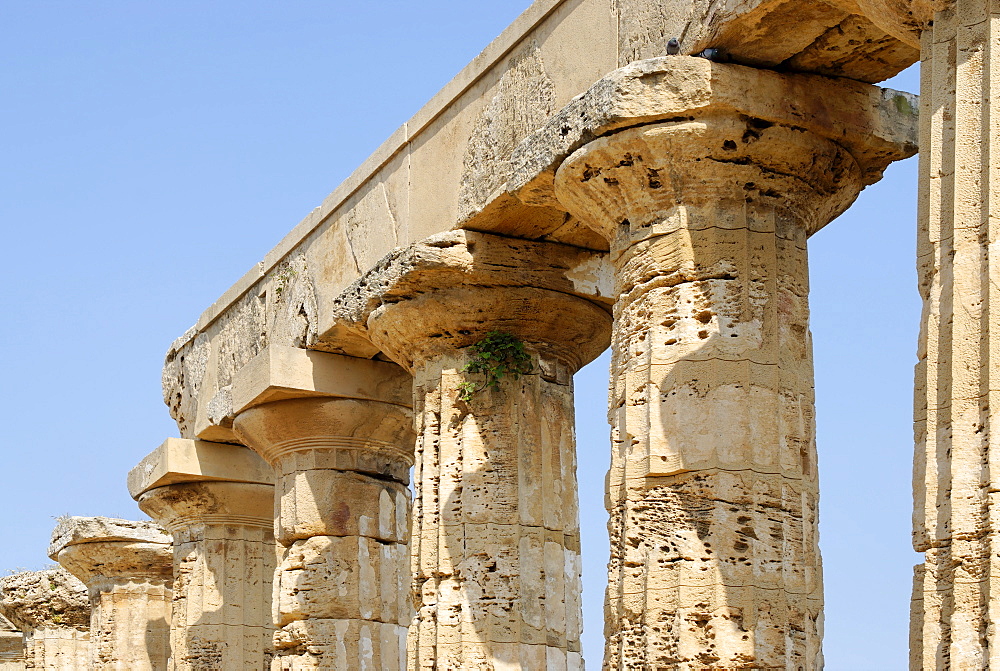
{"x":217,"y":502}
{"x":127,"y":568}
{"x":52,"y":611}
{"x":337,"y":431}
{"x":707,"y":198}
{"x":956,"y":611}
{"x":495,"y":550}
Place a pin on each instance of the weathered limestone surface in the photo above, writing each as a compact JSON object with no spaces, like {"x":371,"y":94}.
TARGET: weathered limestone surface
{"x":52,"y":611}
{"x":955,"y":597}
{"x":707,"y":198}
{"x":448,"y":166}
{"x":11,"y":647}
{"x":217,"y":502}
{"x":127,"y":568}
{"x":495,"y":553}
{"x":338,"y":432}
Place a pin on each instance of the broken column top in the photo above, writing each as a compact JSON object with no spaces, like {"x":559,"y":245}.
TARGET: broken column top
{"x":36,"y":599}
{"x":83,"y":530}
{"x":101,"y":547}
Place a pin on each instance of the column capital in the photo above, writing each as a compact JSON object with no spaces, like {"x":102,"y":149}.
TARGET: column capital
{"x":183,"y":483}
{"x":715,"y":115}
{"x":50,"y":598}
{"x":95,"y":549}
{"x":179,"y":460}
{"x":903,"y":19}
{"x":352,"y":414}
{"x":448,"y":291}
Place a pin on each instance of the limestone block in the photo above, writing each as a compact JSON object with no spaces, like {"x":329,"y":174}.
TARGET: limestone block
{"x":903,"y":19}
{"x":341,"y":503}
{"x":672,"y":87}
{"x":80,"y":530}
{"x":57,"y":647}
{"x":52,"y":612}
{"x":344,"y":578}
{"x":348,"y":645}
{"x":768,"y":33}
{"x":281,"y":373}
{"x":495,"y":550}
{"x":178,"y":460}
{"x":11,"y":647}
{"x":527,"y":273}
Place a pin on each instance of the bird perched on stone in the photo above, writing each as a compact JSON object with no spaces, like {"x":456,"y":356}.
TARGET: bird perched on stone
{"x":673,"y":46}
{"x":711,"y":54}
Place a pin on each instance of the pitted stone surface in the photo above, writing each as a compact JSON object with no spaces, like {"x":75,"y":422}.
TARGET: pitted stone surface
{"x":338,"y":432}
{"x":673,"y":89}
{"x":713,"y":485}
{"x":76,"y":530}
{"x":447,"y":166}
{"x":954,"y":616}
{"x":495,"y":549}
{"x":40,"y":598}
{"x":52,"y":612}
{"x":128,"y":569}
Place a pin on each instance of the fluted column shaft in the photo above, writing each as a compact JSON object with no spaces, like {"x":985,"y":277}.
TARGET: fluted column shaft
{"x":130,"y":621}
{"x":956,"y":608}
{"x":342,"y":523}
{"x":495,"y":551}
{"x":62,"y":648}
{"x":713,"y":486}
{"x":224,"y":560}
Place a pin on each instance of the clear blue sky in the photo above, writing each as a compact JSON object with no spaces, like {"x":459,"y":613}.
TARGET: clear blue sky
{"x":151,"y":152}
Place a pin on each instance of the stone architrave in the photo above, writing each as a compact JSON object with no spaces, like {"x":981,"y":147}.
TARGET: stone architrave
{"x":496,"y":544}
{"x":706,"y":179}
{"x":52,"y":611}
{"x":337,"y":431}
{"x":217,"y":502}
{"x":127,"y":567}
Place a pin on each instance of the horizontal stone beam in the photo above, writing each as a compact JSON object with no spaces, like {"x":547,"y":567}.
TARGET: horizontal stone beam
{"x":282,"y":373}
{"x":179,"y":460}
{"x":448,"y":166}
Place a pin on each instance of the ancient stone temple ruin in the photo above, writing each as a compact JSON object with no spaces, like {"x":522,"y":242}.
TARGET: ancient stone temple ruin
{"x":376,"y":466}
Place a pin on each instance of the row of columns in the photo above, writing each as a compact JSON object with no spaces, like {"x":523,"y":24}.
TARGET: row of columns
{"x":712,"y":492}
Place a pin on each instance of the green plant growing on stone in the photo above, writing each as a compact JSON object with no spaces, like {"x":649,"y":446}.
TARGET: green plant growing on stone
{"x":497,"y":356}
{"x":282,"y":279}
